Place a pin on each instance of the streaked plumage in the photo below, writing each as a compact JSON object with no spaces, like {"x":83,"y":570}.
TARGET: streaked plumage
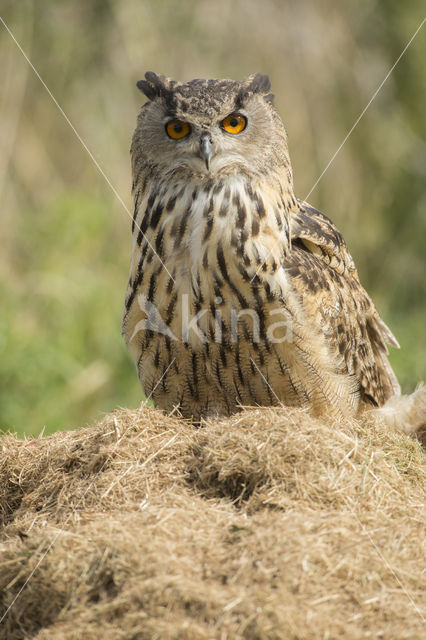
{"x":224,"y":240}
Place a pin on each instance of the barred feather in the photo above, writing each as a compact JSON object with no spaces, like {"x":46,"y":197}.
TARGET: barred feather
{"x":239,"y":294}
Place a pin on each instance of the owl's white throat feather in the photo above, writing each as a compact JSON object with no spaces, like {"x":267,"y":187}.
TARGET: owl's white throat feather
{"x":248,"y":220}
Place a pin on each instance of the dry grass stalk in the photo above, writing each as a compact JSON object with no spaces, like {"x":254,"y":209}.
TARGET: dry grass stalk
{"x":267,"y":525}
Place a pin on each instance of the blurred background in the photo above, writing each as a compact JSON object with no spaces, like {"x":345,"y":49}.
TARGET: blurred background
{"x":65,"y":237}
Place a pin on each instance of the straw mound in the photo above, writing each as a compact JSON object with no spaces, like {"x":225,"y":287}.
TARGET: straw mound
{"x":267,"y":525}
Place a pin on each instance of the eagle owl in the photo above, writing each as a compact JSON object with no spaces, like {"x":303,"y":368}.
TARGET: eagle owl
{"x":239,"y":293}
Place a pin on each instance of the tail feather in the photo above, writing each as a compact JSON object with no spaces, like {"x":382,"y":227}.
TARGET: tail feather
{"x":405,"y":412}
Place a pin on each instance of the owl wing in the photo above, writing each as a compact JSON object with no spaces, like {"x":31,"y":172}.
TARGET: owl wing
{"x":325,"y":277}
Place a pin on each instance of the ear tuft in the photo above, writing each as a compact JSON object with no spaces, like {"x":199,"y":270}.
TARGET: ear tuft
{"x":256,"y":84}
{"x":153,"y":86}
{"x":147,"y":89}
{"x":260,"y":83}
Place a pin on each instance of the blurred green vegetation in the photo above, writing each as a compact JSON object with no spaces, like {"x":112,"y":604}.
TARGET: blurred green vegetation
{"x":63,"y":356}
{"x":65,"y":241}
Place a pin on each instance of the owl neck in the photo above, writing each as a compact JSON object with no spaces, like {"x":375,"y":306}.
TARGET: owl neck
{"x":244,"y":215}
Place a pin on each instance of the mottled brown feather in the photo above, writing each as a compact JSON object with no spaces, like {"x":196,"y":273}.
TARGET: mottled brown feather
{"x":280,"y":314}
{"x":339,"y":303}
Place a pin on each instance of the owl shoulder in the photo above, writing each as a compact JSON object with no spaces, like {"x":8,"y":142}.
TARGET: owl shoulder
{"x":321,"y":237}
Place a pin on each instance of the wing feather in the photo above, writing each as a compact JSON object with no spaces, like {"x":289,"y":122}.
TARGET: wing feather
{"x":324,"y":274}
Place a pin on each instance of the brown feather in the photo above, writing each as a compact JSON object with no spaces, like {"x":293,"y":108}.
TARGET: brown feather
{"x":338,"y":302}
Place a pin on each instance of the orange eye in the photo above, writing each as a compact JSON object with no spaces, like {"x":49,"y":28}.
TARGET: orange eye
{"x":235,"y":123}
{"x":177,"y":129}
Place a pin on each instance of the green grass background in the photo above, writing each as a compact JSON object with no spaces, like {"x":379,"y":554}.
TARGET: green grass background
{"x":65,"y":236}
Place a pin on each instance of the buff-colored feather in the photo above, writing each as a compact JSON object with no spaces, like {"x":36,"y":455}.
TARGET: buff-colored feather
{"x":239,"y":293}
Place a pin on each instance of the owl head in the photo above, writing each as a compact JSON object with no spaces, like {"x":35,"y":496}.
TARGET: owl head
{"x":209,"y":127}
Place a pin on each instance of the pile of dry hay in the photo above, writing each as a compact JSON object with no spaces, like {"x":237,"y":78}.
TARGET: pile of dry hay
{"x":267,"y":525}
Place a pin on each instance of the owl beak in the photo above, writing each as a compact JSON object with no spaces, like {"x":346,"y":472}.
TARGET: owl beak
{"x":206,"y":149}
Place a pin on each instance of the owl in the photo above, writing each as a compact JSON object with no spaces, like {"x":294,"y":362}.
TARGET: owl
{"x":240,"y":294}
